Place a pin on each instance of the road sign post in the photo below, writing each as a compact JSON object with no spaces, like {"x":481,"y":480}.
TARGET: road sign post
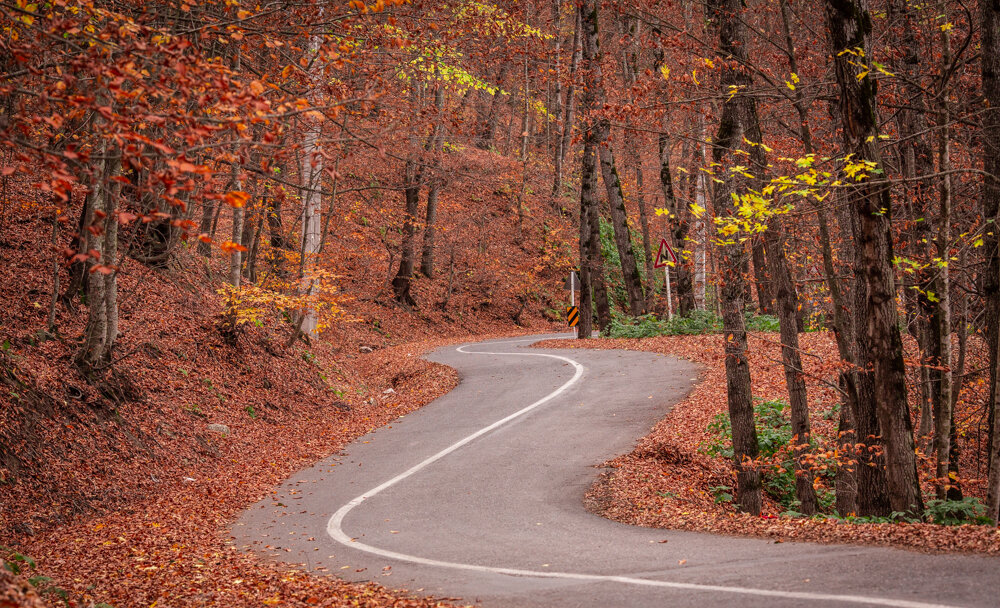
{"x":572,"y":283}
{"x":661,"y":262}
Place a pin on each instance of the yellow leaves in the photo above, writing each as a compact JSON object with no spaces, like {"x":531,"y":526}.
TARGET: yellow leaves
{"x":26,"y":7}
{"x":697,"y":209}
{"x":694,"y":77}
{"x":728,"y":229}
{"x":236,"y":199}
{"x":947,"y":27}
{"x":806,"y":161}
{"x":859,"y":170}
{"x":665,"y":71}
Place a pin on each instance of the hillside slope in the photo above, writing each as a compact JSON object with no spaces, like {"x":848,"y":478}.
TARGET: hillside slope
{"x":119,"y":485}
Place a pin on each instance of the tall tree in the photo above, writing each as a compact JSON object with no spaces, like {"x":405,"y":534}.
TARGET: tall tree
{"x":989,"y":27}
{"x":601,"y":132}
{"x":727,"y":17}
{"x":592,"y":284}
{"x":880,"y":345}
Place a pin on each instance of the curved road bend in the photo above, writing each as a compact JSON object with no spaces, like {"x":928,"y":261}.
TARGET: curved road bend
{"x":478,"y":496}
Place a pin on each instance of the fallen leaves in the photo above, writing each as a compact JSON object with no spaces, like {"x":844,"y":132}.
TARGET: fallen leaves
{"x":666,"y":481}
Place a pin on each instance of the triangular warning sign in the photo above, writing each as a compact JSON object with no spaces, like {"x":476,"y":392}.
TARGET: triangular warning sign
{"x":662,"y":253}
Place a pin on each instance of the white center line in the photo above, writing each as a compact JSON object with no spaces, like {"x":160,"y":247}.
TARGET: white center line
{"x":334,"y":527}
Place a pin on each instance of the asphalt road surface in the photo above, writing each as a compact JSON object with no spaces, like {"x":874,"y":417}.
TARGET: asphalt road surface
{"x":479,"y":496}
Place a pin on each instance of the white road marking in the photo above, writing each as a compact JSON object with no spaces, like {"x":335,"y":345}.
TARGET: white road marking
{"x":334,"y":527}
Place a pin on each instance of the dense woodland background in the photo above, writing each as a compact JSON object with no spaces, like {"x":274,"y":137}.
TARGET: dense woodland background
{"x":220,"y":187}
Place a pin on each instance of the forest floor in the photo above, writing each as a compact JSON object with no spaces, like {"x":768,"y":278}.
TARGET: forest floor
{"x":670,"y":481}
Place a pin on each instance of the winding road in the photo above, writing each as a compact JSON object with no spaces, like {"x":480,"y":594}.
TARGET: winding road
{"x":478,"y":496}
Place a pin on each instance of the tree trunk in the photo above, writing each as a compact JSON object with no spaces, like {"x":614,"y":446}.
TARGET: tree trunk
{"x":762,"y":280}
{"x":556,"y":92}
{"x":411,"y":195}
{"x":941,"y":318}
{"x":569,"y":112}
{"x":236,"y":256}
{"x":102,"y":290}
{"x":436,"y":143}
{"x":700,"y":229}
{"x":601,"y":130}
{"x":588,"y":267}
{"x":630,"y":56}
{"x":989,"y":16}
{"x":727,"y":15}
{"x":879,"y":341}
{"x":846,"y":482}
{"x":787,"y":303}
{"x":590,"y":238}
{"x":79,"y":274}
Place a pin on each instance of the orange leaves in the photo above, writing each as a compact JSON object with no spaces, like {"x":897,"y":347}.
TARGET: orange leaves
{"x":229,"y":247}
{"x":358,"y":5}
{"x":236,"y":198}
{"x":257,"y":87}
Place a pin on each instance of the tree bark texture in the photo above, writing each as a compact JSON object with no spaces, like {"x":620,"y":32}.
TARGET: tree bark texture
{"x":879,"y":342}
{"x":102,"y":288}
{"x":732,"y":46}
{"x":430,"y":221}
{"x":601,"y":131}
{"x":590,"y":236}
{"x":989,"y":20}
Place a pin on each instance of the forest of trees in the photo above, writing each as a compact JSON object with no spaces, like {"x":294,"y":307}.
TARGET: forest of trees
{"x":834,"y":164}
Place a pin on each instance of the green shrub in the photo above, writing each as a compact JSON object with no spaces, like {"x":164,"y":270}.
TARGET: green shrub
{"x":695,"y":323}
{"x":969,"y":510}
{"x":761,"y":322}
{"x":774,"y":432}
